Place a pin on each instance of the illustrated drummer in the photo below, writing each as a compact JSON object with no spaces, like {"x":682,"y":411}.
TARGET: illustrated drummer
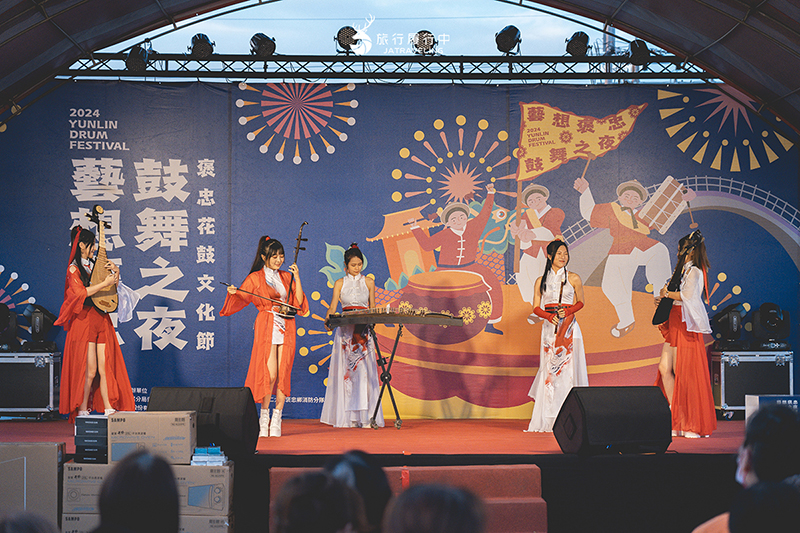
{"x":631,"y":248}
{"x":539,"y":224}
{"x":458,"y":248}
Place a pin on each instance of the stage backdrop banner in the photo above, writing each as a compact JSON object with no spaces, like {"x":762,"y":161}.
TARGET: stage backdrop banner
{"x":191,"y":175}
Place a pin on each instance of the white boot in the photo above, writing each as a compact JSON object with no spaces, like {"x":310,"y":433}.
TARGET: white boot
{"x":263,"y":422}
{"x":275,"y":425}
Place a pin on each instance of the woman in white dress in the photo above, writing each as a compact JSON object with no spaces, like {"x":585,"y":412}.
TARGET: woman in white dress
{"x":353,"y":383}
{"x":558,"y":295}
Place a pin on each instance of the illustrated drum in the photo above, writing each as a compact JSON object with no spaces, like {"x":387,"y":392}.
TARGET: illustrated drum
{"x":458,"y":292}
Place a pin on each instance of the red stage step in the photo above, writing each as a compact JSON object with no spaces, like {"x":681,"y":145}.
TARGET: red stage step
{"x":512,"y":494}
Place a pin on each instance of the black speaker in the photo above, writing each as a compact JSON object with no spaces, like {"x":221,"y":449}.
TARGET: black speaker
{"x":226,"y":416}
{"x":596,"y":420}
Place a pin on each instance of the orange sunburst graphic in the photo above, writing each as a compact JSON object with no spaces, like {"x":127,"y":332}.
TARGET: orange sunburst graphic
{"x":297,"y":118}
{"x":726,"y":138}
{"x":321,"y":340}
{"x":460,"y":157}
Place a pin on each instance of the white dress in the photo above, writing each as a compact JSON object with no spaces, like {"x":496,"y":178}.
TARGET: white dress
{"x":353,"y":382}
{"x":560,"y":369}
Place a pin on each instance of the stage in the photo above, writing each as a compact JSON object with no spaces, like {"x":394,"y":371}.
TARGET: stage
{"x":673,"y":492}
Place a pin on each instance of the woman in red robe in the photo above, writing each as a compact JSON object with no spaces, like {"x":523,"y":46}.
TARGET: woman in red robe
{"x":92,"y":358}
{"x":273,"y":351}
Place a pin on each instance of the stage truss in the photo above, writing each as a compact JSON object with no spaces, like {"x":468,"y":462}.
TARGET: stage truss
{"x":177,"y":67}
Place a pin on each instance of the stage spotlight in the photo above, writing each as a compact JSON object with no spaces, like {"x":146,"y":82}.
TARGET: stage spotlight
{"x":424,"y":43}
{"x":638,"y":53}
{"x":771,"y":325}
{"x":201,"y":47}
{"x":344,"y":40}
{"x":507,"y":40}
{"x":137,"y":59}
{"x":262,"y":45}
{"x":578,"y":44}
{"x":727,"y":327}
{"x":8,"y":329}
{"x":41,"y":321}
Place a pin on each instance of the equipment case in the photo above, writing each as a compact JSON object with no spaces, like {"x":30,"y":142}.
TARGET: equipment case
{"x":735,"y":374}
{"x":29,"y":383}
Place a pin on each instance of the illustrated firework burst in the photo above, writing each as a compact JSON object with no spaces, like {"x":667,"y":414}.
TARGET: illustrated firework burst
{"x":294,"y":115}
{"x":725,"y":138}
{"x":461,"y":158}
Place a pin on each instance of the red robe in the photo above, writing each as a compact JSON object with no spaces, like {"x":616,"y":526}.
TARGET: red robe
{"x":692,"y":398}
{"x":551,"y":220}
{"x":625,"y":237}
{"x":74,"y":316}
{"x":258,"y":377}
{"x":460,"y":252}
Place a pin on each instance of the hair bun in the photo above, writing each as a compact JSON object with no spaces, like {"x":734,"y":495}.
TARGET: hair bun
{"x":354,"y":245}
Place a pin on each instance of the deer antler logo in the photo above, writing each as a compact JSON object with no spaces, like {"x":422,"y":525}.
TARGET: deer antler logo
{"x":363,"y":42}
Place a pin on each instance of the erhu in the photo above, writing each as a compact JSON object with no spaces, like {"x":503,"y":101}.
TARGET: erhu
{"x":289,"y":311}
{"x":105,"y":300}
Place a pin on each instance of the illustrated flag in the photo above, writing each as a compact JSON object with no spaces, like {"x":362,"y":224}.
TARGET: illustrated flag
{"x":550,"y":137}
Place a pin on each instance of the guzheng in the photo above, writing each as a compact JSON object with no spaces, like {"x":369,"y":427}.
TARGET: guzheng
{"x":383,"y":315}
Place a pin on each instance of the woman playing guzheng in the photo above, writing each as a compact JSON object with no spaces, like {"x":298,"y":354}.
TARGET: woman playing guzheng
{"x":353,"y":384}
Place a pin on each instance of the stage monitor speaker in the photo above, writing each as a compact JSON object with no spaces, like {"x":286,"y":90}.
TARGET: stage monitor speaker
{"x":226,"y":416}
{"x":595,"y":420}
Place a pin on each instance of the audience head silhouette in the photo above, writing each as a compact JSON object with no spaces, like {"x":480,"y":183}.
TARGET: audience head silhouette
{"x":435,"y":509}
{"x":358,"y":470}
{"x":317,"y":502}
{"x":139,"y":496}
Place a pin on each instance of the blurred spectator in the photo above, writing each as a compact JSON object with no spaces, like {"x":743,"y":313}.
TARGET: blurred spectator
{"x":26,"y":522}
{"x":435,"y":509}
{"x":317,"y":502}
{"x":139,"y":496}
{"x":770,"y":453}
{"x":359,"y":470}
{"x":766,"y":506}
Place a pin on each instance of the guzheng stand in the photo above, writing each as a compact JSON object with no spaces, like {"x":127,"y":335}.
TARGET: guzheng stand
{"x":386,"y":377}
{"x":386,"y":316}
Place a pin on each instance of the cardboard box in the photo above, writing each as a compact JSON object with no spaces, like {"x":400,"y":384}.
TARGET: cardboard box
{"x":752,"y":402}
{"x":205,"y":524}
{"x":79,"y":523}
{"x":86,"y":523}
{"x":82,"y":484}
{"x":171,"y":434}
{"x":202,"y":490}
{"x":30,"y":478}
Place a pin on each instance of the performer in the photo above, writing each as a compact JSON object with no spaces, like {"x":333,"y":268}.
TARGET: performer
{"x":353,"y":384}
{"x":562,"y":361}
{"x":274,"y":335}
{"x":631,"y":248}
{"x":683,"y":369}
{"x":458,"y":249}
{"x":538,"y":225}
{"x":92,"y":357}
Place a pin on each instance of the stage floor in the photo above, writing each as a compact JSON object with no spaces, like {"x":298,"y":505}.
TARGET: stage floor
{"x":415,"y":437}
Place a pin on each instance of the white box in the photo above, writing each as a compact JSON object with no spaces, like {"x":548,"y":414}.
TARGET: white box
{"x":86,"y":523}
{"x":202,"y":490}
{"x":752,"y":402}
{"x":170,"y":434}
{"x":79,"y":523}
